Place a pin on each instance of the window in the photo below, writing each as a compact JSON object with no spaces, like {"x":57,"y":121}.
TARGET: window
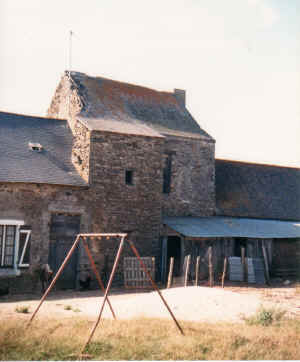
{"x":7,"y":245}
{"x":14,"y":244}
{"x":167,"y":174}
{"x":129,"y":177}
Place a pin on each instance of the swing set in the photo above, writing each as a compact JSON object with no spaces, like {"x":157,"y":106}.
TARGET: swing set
{"x":84,"y":238}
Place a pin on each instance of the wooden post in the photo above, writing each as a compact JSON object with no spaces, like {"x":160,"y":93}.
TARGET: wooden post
{"x":266,"y":261}
{"x":163,"y":274}
{"x":197,"y":270}
{"x":245,"y":269}
{"x":188,"y":260}
{"x":224,"y":271}
{"x":210,"y":266}
{"x":170,"y":277}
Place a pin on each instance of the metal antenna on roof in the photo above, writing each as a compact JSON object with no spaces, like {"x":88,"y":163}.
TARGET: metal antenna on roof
{"x":70,"y":68}
{"x":70,"y":50}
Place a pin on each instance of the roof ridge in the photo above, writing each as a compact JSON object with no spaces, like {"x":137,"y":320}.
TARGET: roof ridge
{"x":252,"y":163}
{"x":31,"y":116}
{"x":81,"y":74}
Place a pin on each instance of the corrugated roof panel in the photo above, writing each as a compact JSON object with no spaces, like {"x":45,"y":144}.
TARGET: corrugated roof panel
{"x":218,"y":226}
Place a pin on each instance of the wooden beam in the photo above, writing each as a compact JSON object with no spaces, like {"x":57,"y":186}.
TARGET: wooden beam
{"x":170,"y":277}
{"x":265,"y":261}
{"x":188,"y":260}
{"x":244,"y":263}
{"x":224,"y":271}
{"x":197,"y":270}
{"x":210,"y":266}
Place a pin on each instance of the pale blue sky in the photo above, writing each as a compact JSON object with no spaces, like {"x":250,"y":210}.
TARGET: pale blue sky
{"x":237,"y":59}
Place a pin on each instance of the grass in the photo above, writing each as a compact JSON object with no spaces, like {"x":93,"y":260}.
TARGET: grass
{"x":22,"y":309}
{"x":69,"y":307}
{"x":265,"y":317}
{"x":148,"y":339}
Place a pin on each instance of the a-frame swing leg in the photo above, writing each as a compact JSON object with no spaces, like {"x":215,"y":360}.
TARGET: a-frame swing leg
{"x":106,"y":292}
{"x":56,"y":277}
{"x":110,"y":282}
{"x":85,"y":244}
{"x":79,"y":236}
{"x":153,"y":284}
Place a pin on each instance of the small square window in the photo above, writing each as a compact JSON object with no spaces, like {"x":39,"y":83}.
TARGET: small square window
{"x":129,"y":177}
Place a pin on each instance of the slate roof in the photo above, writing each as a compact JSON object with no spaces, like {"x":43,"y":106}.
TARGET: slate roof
{"x":109,"y":100}
{"x":258,"y":191}
{"x":19,"y":163}
{"x":108,"y":125}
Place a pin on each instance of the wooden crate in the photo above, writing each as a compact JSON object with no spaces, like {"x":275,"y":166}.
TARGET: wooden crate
{"x":134,"y":275}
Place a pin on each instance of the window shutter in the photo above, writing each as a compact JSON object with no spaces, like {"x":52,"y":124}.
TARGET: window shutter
{"x":24,"y":248}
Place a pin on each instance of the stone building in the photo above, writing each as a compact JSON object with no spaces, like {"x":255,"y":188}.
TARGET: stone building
{"x":110,"y":157}
{"x":257,"y":209}
{"x":267,"y":194}
{"x":116,"y":157}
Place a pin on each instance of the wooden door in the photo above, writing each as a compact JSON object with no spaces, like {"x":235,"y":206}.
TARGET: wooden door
{"x":286,"y":257}
{"x":174,"y":250}
{"x":63,"y":231}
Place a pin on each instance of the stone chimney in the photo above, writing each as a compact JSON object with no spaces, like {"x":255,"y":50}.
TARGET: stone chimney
{"x":180,"y":96}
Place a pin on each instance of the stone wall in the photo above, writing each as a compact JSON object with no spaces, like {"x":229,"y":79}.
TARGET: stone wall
{"x":35,"y":203}
{"x":66,"y":102}
{"x":81,"y":150}
{"x":192,"y":190}
{"x":108,"y":204}
{"x":117,"y":206}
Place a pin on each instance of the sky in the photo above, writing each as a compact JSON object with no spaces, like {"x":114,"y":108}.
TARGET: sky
{"x":238,"y":61}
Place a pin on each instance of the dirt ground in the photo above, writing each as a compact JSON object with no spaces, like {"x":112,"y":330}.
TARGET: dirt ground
{"x":202,"y":303}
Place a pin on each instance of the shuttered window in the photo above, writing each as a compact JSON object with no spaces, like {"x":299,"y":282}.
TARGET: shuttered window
{"x":24,"y":248}
{"x":7,"y":245}
{"x":14,"y":246}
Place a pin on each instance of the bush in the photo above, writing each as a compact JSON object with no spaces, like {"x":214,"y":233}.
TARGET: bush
{"x":265,"y":317}
{"x":22,"y":309}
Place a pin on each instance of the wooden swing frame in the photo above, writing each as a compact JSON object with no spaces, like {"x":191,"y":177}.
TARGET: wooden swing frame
{"x":83,"y":238}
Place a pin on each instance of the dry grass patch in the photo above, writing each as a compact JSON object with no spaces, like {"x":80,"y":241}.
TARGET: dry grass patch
{"x":148,"y":339}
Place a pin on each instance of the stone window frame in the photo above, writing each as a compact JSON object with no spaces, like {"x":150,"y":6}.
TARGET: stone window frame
{"x":13,"y":268}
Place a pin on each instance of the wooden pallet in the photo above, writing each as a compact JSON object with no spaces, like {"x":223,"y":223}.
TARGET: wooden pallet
{"x":134,"y":275}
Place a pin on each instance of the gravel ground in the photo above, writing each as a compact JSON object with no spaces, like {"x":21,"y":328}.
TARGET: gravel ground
{"x":190,"y":303}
